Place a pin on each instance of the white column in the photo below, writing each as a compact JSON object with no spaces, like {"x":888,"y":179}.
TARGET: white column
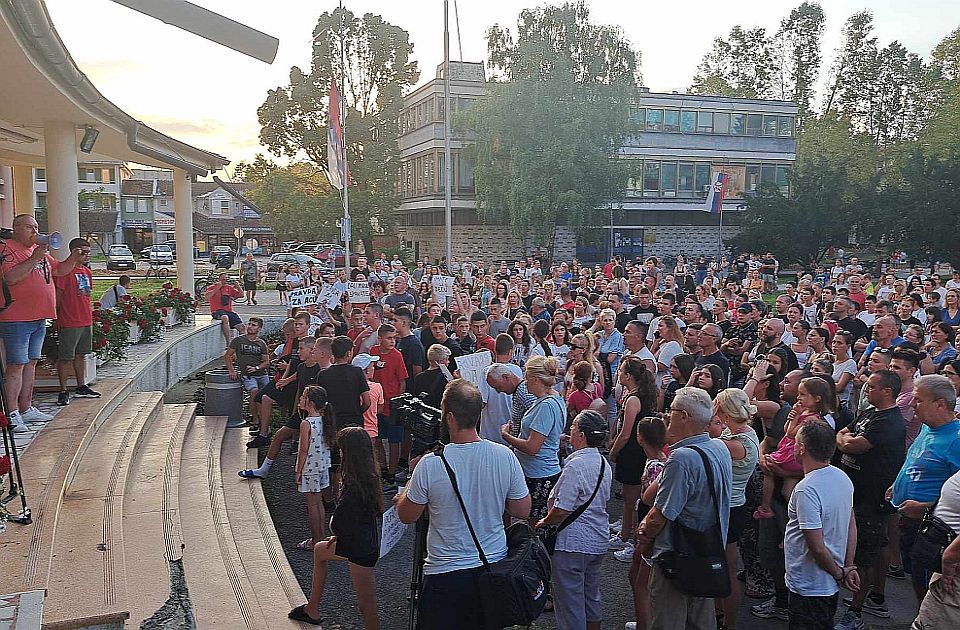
{"x":6,"y":204}
{"x":63,"y":187}
{"x":183,"y":227}
{"x":23,"y":199}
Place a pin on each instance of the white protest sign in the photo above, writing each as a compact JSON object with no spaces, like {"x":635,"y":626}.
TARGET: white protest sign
{"x":443,"y":287}
{"x":302,"y":297}
{"x":359,"y":292}
{"x":393,"y":531}
{"x":330,"y":295}
{"x":472,"y":366}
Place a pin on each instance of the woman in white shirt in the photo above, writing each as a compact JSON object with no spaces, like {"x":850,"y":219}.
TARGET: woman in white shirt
{"x":669,"y":345}
{"x":844,"y":367}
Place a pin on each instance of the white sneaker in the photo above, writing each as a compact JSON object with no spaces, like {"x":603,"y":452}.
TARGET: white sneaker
{"x":616,"y":544}
{"x":630,"y":625}
{"x":616,"y":527}
{"x":16,"y":421}
{"x":625,"y":555}
{"x":35,"y":415}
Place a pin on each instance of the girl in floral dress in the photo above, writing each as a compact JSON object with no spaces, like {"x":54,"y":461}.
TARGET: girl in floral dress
{"x":313,"y":460}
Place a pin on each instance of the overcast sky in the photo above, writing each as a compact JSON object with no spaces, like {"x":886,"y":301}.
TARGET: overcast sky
{"x":207,"y":95}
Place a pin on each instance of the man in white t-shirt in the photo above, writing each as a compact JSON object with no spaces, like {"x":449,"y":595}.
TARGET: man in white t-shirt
{"x":490,"y":481}
{"x":112,"y":296}
{"x":821,"y":535}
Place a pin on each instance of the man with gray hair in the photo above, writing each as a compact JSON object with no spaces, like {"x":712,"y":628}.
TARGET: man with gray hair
{"x":501,"y":378}
{"x":684,"y":497}
{"x":710,"y":337}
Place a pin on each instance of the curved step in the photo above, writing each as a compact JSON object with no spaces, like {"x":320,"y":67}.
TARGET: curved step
{"x":88,"y":540}
{"x":152,"y":533}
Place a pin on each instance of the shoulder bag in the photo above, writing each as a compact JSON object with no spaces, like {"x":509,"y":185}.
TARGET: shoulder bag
{"x":549,"y":534}
{"x":698,"y":563}
{"x":513,"y":591}
{"x":933,"y":537}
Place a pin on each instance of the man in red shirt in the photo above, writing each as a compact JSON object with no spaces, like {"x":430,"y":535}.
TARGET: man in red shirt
{"x":221,"y":295}
{"x":391,"y":373}
{"x":28,"y":272}
{"x":481,"y":330}
{"x":75,"y":322}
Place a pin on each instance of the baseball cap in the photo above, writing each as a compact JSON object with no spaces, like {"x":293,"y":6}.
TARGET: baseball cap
{"x":744,"y":308}
{"x":362,"y":361}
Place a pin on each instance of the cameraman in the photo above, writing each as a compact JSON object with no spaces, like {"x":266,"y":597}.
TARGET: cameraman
{"x":221,"y":295}
{"x":490,"y":481}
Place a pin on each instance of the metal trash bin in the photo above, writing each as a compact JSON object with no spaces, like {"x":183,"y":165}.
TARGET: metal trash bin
{"x":223,"y":397}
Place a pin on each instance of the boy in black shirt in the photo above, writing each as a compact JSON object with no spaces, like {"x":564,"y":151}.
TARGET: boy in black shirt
{"x":348,"y":393}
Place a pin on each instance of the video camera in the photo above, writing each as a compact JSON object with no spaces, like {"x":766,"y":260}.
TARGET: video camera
{"x":421,"y":421}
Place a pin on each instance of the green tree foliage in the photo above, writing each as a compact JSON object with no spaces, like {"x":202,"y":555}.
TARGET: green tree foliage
{"x":548,"y":133}
{"x":797,"y":46}
{"x":378,"y":70}
{"x":740,"y":66}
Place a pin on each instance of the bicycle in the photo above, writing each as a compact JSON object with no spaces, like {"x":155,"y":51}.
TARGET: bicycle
{"x":157,"y":271}
{"x":201,"y":284}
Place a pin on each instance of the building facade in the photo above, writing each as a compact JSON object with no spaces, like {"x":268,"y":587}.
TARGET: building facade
{"x":99,"y":184}
{"x":684,"y":141}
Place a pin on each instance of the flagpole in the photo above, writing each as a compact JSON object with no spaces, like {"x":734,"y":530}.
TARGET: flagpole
{"x":720,"y":235}
{"x":447,"y":166}
{"x":347,"y":229}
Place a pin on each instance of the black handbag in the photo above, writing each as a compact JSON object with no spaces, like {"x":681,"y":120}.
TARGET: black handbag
{"x":697,"y":566}
{"x":513,"y":591}
{"x":549,"y":534}
{"x":933,"y":537}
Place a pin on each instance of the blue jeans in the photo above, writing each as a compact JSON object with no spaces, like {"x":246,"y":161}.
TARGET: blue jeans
{"x":23,"y":341}
{"x":576,"y":588}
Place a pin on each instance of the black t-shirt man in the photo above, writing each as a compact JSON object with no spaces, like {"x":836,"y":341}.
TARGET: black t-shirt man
{"x":623,"y":318}
{"x":720,"y":360}
{"x":413,"y":354}
{"x":874,"y":471}
{"x":644,"y":314}
{"x":344,"y":384}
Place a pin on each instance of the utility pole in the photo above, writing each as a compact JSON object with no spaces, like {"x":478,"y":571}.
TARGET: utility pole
{"x":447,"y":165}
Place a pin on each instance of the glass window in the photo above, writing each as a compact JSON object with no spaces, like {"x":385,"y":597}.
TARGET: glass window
{"x":736,"y":124}
{"x":752,"y":178}
{"x":671,"y":120}
{"x":702,"y":183}
{"x":634,"y":186}
{"x":704,"y":122}
{"x":685,"y":179}
{"x":768,"y":175}
{"x":786,"y":126}
{"x":688,"y":122}
{"x":651,"y":178}
{"x":654,"y":119}
{"x":783,"y":182}
{"x":721,"y":123}
{"x":754,"y":124}
{"x":668,"y":179}
{"x":638,"y":115}
{"x":770,"y":124}
{"x":41,"y":201}
{"x":40,"y":174}
{"x":465,"y":179}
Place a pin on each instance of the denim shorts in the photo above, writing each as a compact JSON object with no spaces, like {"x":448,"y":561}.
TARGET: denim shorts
{"x":233,"y":317}
{"x":251,"y":383}
{"x":23,"y":341}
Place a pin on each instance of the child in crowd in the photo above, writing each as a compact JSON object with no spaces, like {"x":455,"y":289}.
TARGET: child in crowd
{"x":313,"y":459}
{"x":366,"y":363}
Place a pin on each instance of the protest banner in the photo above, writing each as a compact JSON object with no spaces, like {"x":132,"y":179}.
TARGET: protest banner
{"x":358,"y":292}
{"x":473,"y":366}
{"x":330,"y":296}
{"x":443,"y":288}
{"x":302,"y":297}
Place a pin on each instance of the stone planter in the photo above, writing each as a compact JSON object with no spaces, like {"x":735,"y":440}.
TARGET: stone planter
{"x":134,"y":333}
{"x":47,"y":380}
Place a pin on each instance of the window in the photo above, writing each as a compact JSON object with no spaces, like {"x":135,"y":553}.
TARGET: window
{"x":668,"y":179}
{"x":223,"y":208}
{"x":754,"y":124}
{"x":685,"y":179}
{"x":654,"y":119}
{"x":736,"y":124}
{"x":634,"y":186}
{"x":163,"y":202}
{"x":783,"y":183}
{"x":41,"y":201}
{"x":40,"y":174}
{"x":721,"y":123}
{"x":688,"y":122}
{"x":786,"y":126}
{"x":770,"y":124}
{"x":704,"y":122}
{"x":671,"y":120}
{"x":752,"y":181}
{"x":768,"y":175}
{"x":651,"y":179}
{"x":637,"y":116}
{"x":702,"y":182}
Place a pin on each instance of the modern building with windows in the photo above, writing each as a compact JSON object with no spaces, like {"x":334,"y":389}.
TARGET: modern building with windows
{"x":685,"y":140}
{"x":99,"y":184}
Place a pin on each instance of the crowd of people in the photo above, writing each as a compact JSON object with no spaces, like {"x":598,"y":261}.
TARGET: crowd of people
{"x":814,"y":433}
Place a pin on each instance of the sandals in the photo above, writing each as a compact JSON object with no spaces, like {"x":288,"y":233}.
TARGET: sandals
{"x":249,"y":474}
{"x":305,"y":545}
{"x":299,"y":614}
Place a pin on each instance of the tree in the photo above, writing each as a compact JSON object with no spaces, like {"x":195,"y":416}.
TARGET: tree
{"x":378,"y":70}
{"x":798,"y":55}
{"x":548,"y":133}
{"x":741,"y":66}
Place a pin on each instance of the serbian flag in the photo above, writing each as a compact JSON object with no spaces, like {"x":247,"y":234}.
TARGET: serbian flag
{"x":336,"y":155}
{"x":717,"y":191}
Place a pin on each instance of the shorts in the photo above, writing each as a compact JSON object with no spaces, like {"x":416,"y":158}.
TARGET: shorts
{"x":740,"y":517}
{"x":386,"y":428}
{"x":913,"y":561}
{"x":249,"y":285}
{"x":812,"y":613}
{"x":448,"y":596}
{"x":74,"y":341}
{"x":233,"y":317}
{"x":23,"y":341}
{"x":767,"y":277}
{"x":871,"y":536}
{"x":251,"y":383}
{"x":540,"y":488}
{"x":293,"y":422}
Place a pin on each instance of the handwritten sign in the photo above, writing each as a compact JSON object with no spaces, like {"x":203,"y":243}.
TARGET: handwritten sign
{"x":330,"y":296}
{"x":393,"y":531}
{"x":359,"y":292}
{"x":443,"y":287}
{"x":473,"y":366}
{"x":302,"y":297}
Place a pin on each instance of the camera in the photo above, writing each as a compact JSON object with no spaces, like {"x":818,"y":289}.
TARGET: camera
{"x":421,"y":421}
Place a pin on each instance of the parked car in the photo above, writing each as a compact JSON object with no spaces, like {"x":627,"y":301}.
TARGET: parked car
{"x":287,"y":258}
{"x":158,"y":254}
{"x":222,"y":250}
{"x":120,"y":257}
{"x":334,"y":254}
{"x":289,"y":246}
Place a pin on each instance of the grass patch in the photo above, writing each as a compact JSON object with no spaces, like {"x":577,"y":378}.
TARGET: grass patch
{"x":138,"y":286}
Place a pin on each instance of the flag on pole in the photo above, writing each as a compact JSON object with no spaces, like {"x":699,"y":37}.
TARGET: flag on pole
{"x":718,"y":189}
{"x":336,"y":156}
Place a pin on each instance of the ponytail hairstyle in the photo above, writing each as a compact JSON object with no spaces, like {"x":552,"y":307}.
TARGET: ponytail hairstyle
{"x":582,"y":375}
{"x":644,"y":378}
{"x":540,"y":331}
{"x":358,"y":468}
{"x":544,"y":369}
{"x":317,"y":397}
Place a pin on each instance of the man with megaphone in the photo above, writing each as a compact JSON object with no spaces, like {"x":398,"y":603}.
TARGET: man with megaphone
{"x":29,"y":299}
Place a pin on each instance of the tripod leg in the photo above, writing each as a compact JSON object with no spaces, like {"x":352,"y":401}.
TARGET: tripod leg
{"x":10,"y":445}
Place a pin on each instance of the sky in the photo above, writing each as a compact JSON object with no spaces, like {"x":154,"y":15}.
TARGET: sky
{"x":207,"y":95}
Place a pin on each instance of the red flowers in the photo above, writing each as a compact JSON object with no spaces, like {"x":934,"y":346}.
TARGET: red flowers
{"x":165,"y":311}
{"x":4,"y":465}
{"x":102,"y":343}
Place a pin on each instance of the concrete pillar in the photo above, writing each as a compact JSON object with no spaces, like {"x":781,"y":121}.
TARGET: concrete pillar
{"x":6,"y":204}
{"x":63,"y":187}
{"x":183,"y":228}
{"x":23,"y":199}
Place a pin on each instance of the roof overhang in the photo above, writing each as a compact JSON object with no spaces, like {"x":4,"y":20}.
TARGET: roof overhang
{"x":42,"y":83}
